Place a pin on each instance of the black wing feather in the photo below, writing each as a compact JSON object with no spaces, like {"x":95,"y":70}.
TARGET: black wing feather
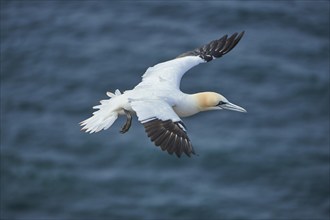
{"x":169,"y":136}
{"x":216,"y":48}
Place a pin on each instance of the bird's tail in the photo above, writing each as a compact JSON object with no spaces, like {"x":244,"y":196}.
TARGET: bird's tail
{"x":104,"y":117}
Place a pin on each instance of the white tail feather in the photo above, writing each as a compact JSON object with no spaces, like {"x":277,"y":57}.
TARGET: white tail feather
{"x":110,"y":94}
{"x":104,"y":117}
{"x":99,"y":121}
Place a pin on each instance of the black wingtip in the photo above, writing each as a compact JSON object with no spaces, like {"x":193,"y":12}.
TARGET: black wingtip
{"x":216,"y":48}
{"x":234,"y":41}
{"x":230,"y":43}
{"x":169,"y":136}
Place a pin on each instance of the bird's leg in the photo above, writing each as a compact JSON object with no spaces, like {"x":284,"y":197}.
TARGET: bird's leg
{"x":128,"y":123}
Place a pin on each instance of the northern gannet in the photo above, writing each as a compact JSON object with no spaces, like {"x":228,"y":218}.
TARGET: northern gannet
{"x":159,"y":103}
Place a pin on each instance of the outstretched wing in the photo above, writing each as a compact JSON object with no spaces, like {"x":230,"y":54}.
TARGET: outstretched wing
{"x":171,"y":71}
{"x":163,"y":126}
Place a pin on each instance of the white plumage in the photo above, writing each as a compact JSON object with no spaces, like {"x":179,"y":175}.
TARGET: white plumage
{"x":159,"y":103}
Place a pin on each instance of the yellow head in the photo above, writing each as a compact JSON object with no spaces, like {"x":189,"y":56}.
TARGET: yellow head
{"x":213,"y":101}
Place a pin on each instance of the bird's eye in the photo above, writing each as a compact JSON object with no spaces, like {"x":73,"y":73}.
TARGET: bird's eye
{"x":222,"y":103}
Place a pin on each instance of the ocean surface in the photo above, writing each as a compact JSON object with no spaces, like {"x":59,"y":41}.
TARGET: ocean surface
{"x":59,"y":58}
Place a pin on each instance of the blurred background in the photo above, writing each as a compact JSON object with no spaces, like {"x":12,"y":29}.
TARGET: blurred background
{"x":58,"y":59}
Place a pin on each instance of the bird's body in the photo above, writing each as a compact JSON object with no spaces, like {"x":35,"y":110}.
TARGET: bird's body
{"x":159,"y":103}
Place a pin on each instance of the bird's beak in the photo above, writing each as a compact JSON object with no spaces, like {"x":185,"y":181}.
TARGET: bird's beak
{"x":233,"y":107}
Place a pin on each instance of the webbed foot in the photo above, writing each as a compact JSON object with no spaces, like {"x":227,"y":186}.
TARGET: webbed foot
{"x":128,"y":123}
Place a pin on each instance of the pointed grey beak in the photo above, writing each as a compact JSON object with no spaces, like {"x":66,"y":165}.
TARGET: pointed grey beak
{"x":233,"y":107}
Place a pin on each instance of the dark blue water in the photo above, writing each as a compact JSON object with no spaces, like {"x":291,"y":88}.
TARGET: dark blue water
{"x":58,"y":58}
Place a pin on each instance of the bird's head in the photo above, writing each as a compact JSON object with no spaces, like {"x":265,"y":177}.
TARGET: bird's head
{"x":214,"y":101}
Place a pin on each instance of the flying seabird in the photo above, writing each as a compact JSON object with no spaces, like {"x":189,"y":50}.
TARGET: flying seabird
{"x":159,"y":103}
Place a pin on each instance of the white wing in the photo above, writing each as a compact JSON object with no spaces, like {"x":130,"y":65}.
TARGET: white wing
{"x":163,"y":126}
{"x":171,"y":72}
